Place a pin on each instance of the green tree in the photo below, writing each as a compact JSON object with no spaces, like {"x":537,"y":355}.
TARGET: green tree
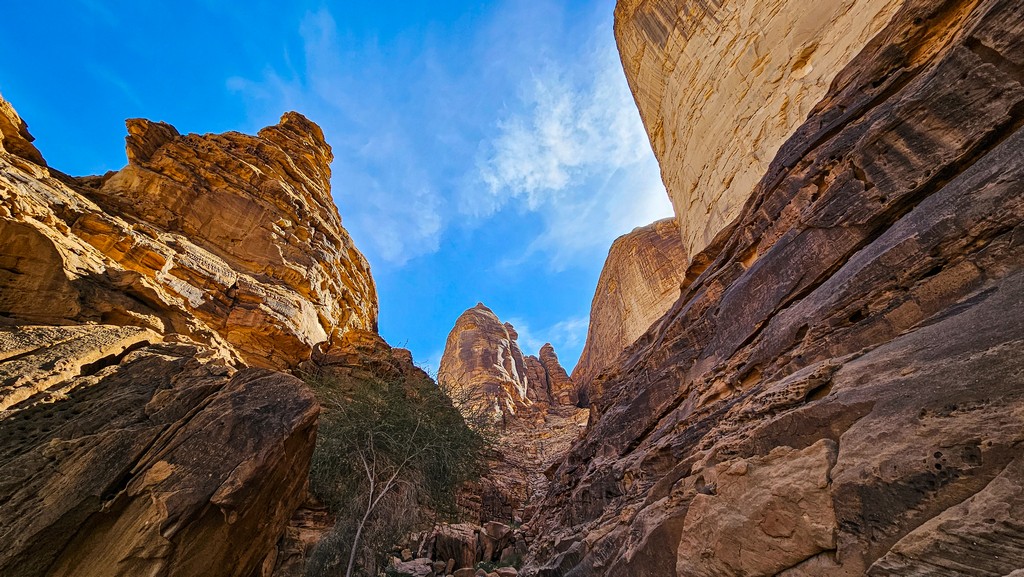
{"x":386,"y":451}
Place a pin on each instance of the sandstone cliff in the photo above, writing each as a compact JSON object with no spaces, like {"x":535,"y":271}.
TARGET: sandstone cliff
{"x":721,"y":85}
{"x":532,"y":400}
{"x":482,"y":364}
{"x":138,"y":436}
{"x":556,"y":382}
{"x":486,"y":370}
{"x":839,"y":389}
{"x":639,"y":282}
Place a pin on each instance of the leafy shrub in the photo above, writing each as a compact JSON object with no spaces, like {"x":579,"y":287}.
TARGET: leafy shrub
{"x":386,"y":452}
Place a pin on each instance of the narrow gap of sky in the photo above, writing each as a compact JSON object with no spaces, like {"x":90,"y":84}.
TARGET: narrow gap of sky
{"x":484,"y":151}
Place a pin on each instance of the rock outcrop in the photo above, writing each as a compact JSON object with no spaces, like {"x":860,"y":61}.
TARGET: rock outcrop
{"x":487,"y":372}
{"x":722,"y":85}
{"x":153,"y":460}
{"x":547,"y":381}
{"x":840,"y":388}
{"x":530,"y":399}
{"x":639,"y":282}
{"x":483,"y":366}
{"x":230,"y":239}
{"x":556,"y":384}
{"x":143,"y":431}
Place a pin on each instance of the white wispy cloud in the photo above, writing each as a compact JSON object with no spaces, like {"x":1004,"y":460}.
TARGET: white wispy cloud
{"x":384,"y":191}
{"x":549,"y":128}
{"x":576,"y":152}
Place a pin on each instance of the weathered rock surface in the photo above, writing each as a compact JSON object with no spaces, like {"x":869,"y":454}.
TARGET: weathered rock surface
{"x":483,"y":365}
{"x":639,"y":283}
{"x":155,"y":461}
{"x":536,"y":379}
{"x":531,"y":399}
{"x":722,"y":85}
{"x":14,"y":136}
{"x":559,"y":387}
{"x":229,"y":239}
{"x":840,"y":388}
{"x":136,"y":440}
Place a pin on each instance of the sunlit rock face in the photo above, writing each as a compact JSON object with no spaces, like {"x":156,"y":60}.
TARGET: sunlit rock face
{"x":230,"y":239}
{"x":141,"y":433}
{"x":722,"y":84}
{"x":639,"y":282}
{"x":276,"y":273}
{"x":839,"y":389}
{"x":482,"y":364}
{"x":487,"y":372}
{"x":530,"y":399}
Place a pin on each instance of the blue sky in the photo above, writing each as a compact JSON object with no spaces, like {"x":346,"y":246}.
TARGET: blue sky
{"x":484,"y":151}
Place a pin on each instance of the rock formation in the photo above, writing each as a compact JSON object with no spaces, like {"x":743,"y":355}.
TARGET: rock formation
{"x":533,"y":402}
{"x":557,"y":384}
{"x":230,"y":239}
{"x":486,"y":370}
{"x":639,"y":282}
{"x":482,"y":364}
{"x":839,"y":389}
{"x":721,"y":85}
{"x":153,"y":460}
{"x":272,"y":270}
{"x":141,"y":433}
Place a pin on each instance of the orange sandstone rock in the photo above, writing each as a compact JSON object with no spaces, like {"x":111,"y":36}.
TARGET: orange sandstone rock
{"x":640,"y":281}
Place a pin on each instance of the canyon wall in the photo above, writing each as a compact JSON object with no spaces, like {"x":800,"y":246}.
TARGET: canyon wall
{"x":721,"y":85}
{"x":639,"y":282}
{"x":530,"y":402}
{"x":143,"y":313}
{"x":839,"y":389}
{"x":486,"y":372}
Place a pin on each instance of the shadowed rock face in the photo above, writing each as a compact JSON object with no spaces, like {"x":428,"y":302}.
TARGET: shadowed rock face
{"x":137,"y":439}
{"x":639,"y":282}
{"x":154,"y":459}
{"x":839,"y":389}
{"x":722,"y":84}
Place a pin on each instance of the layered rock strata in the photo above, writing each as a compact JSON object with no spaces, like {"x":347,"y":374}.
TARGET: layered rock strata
{"x":487,"y":373}
{"x":153,"y":460}
{"x":840,"y":388}
{"x":639,"y":282}
{"x":531,"y":399}
{"x":722,"y":85}
{"x":556,"y":382}
{"x":229,"y":239}
{"x":482,"y":364}
{"x":139,"y":433}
